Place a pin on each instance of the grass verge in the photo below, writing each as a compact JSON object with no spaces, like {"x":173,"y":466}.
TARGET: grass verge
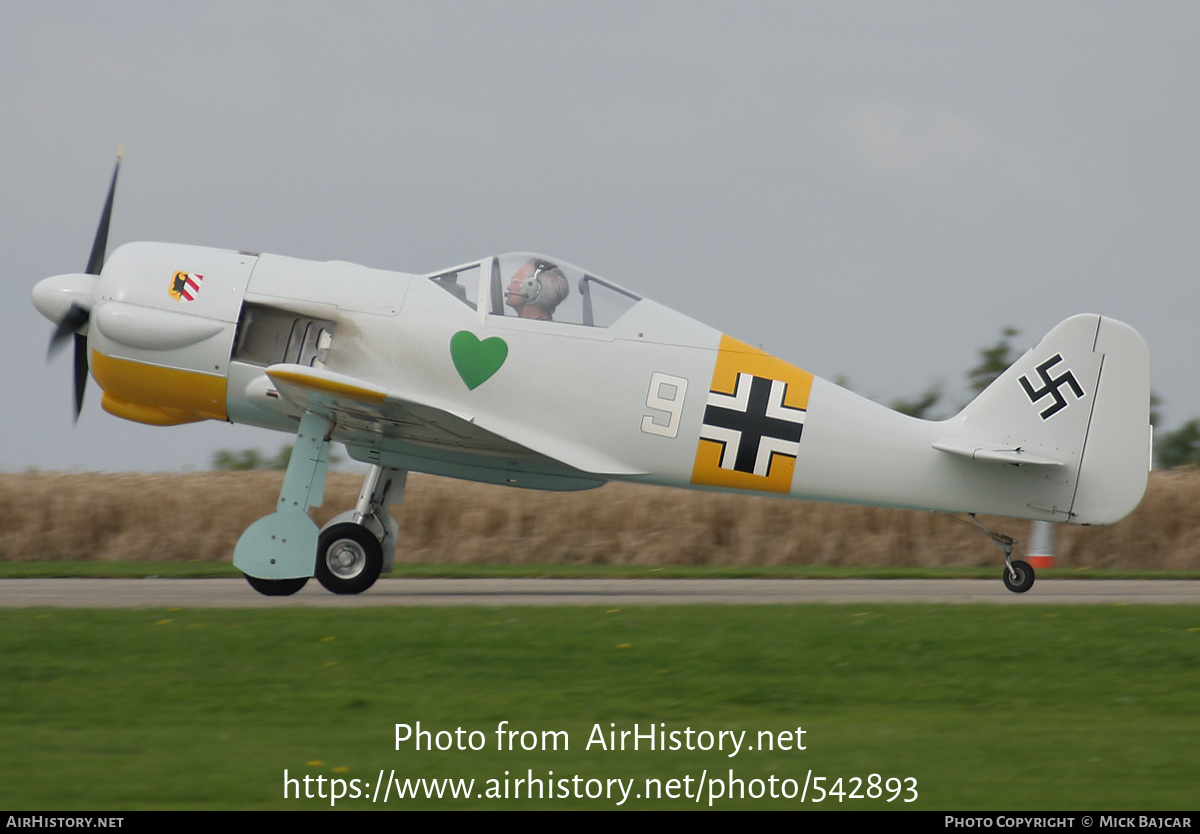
{"x":988,"y":708}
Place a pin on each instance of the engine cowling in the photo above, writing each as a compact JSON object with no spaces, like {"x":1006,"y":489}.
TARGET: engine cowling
{"x":163,"y":322}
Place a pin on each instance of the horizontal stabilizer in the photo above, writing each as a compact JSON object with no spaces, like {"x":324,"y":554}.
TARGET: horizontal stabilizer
{"x":993,"y":452}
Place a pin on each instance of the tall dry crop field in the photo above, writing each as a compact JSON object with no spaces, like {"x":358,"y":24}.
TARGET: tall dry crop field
{"x":51,"y":516}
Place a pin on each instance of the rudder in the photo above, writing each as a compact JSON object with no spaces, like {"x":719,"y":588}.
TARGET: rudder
{"x":1116,"y":454}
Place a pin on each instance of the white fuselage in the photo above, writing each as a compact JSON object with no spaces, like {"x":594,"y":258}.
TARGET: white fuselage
{"x":474,"y":391}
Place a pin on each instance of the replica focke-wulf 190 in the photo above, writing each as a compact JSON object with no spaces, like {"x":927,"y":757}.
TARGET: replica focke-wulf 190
{"x":527,"y":371}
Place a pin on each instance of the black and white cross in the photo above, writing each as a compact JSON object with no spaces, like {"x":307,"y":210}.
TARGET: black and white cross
{"x":753,"y":425}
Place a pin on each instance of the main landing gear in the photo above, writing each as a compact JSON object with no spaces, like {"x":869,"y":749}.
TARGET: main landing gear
{"x":278,"y":553}
{"x":349,"y":558}
{"x":351,"y":548}
{"x":1018,"y":576}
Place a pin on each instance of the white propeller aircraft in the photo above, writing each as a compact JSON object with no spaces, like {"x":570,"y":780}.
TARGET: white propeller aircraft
{"x":527,"y":371}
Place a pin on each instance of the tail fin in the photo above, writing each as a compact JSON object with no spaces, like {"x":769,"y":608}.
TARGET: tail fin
{"x":1077,"y":404}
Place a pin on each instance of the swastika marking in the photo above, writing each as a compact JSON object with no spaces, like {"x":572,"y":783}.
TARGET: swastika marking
{"x":1051,"y":385}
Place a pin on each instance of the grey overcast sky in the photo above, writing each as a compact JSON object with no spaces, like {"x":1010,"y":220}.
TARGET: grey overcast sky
{"x":871,"y":190}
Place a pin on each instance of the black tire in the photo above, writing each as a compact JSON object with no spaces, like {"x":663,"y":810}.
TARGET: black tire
{"x":1024,"y":578}
{"x":276,"y":587}
{"x":349,"y":558}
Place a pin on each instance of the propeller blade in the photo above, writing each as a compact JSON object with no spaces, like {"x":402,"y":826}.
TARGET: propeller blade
{"x":81,"y":372}
{"x":96,"y":261}
{"x":75,"y":318}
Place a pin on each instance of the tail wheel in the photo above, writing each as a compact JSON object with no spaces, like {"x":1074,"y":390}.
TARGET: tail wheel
{"x":1022,"y":581}
{"x":349,"y":558}
{"x":276,"y":587}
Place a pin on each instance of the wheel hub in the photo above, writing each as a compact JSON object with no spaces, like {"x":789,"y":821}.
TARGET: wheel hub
{"x":346,"y":559}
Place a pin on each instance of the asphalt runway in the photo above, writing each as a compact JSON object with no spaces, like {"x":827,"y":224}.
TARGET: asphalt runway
{"x":235,"y":593}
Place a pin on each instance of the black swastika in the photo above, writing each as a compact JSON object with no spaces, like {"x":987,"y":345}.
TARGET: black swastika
{"x":1050,"y":386}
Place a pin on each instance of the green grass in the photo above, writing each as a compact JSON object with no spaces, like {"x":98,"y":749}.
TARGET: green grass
{"x":988,"y":708}
{"x":192,"y":570}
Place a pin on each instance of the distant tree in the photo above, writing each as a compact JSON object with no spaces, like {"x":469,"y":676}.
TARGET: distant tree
{"x":245,"y":460}
{"x":922,"y":405}
{"x":1180,"y":447}
{"x":993,"y":361}
{"x":280,"y":461}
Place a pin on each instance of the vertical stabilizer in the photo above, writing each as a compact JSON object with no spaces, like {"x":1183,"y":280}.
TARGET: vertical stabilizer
{"x":1076,"y":408}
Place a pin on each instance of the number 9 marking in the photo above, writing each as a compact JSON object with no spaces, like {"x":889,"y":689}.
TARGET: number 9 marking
{"x":665,"y":397}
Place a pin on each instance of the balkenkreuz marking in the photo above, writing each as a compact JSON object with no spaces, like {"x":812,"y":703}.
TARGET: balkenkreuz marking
{"x":753,"y":425}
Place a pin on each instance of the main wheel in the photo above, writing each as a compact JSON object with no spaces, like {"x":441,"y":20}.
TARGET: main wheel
{"x":276,"y":587}
{"x":1023,"y":580}
{"x":349,"y":558}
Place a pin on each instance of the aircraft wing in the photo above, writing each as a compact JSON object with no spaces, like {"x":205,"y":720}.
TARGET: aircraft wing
{"x":363,"y":411}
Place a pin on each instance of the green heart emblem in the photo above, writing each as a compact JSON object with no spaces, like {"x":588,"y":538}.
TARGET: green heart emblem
{"x":474,"y":360}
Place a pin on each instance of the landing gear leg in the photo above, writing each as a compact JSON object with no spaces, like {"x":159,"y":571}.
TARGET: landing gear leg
{"x":1018,"y":575}
{"x":277,"y":552}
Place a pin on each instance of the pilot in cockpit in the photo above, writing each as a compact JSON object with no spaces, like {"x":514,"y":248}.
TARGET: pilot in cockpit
{"x":536,"y":289}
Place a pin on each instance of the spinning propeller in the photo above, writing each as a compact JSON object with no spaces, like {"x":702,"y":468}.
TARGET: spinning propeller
{"x":75,"y":318}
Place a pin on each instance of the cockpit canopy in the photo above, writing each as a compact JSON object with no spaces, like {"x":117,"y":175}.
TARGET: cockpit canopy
{"x":525,"y":285}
